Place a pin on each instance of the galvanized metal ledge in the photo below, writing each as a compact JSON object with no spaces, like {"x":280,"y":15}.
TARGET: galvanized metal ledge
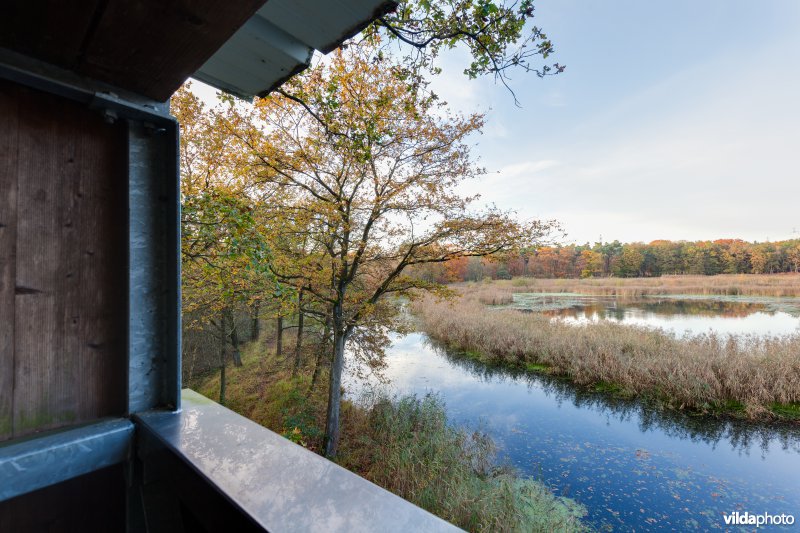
{"x":43,"y":461}
{"x":279,"y":485}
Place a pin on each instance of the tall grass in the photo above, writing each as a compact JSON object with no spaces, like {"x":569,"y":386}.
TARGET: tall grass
{"x":404,"y":445}
{"x":494,"y":297}
{"x":759,"y":376}
{"x":723,"y":284}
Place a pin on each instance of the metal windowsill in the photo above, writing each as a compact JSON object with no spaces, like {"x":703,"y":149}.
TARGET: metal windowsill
{"x":281,"y":486}
{"x":40,"y":461}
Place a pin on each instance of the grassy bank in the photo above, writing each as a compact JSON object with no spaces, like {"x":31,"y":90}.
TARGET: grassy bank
{"x":747,"y":376}
{"x":404,"y":445}
{"x":500,"y":291}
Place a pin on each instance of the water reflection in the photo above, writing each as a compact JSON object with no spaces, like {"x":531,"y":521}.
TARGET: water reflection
{"x":632,"y":465}
{"x":680,"y":314}
{"x":742,"y":436}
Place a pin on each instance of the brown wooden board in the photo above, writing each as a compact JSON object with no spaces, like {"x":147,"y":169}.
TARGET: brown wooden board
{"x":8,"y":233}
{"x":100,"y":213}
{"x":70,"y":304}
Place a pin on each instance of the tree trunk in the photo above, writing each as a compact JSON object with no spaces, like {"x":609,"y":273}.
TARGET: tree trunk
{"x":299,"y":344}
{"x":255,"y":325}
{"x":222,"y":348}
{"x":317,"y":368}
{"x":234,"y":336}
{"x":222,"y":383}
{"x":321,"y":350}
{"x":279,"y":339}
{"x":332,"y":422}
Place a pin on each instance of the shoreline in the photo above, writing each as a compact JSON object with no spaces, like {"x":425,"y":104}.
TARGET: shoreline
{"x":781,"y":413}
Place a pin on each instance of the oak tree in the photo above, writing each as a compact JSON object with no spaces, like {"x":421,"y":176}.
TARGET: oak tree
{"x":364,"y":173}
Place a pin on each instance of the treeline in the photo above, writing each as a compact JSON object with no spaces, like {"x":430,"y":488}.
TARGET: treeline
{"x":658,"y":258}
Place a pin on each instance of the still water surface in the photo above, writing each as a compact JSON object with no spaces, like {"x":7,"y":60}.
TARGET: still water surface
{"x":631,"y":466}
{"x":679,"y":314}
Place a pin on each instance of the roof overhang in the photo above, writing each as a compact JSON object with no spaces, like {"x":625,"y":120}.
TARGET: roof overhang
{"x":150,"y":47}
{"x":279,"y":41}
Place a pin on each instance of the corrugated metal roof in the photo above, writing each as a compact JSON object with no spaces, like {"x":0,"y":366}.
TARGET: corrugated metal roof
{"x":279,"y":40}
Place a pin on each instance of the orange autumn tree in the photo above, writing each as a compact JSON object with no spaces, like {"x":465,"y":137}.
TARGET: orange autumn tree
{"x":361,"y":167}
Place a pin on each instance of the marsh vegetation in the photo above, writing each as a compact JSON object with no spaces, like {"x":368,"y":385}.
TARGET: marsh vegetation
{"x":746,"y":375}
{"x":777,"y":285}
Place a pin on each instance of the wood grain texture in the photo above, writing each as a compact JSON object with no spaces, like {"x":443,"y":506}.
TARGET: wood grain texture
{"x":8,"y":233}
{"x":70,"y":309}
{"x":101,"y":218}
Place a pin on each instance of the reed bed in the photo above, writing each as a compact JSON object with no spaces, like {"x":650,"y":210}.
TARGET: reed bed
{"x":493,"y":297}
{"x":720,"y":285}
{"x":758,"y":377}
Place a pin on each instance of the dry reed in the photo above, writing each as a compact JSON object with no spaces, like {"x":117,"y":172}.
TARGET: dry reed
{"x":759,"y":376}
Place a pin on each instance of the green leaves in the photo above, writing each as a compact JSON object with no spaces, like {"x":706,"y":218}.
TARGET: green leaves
{"x":498,"y":35}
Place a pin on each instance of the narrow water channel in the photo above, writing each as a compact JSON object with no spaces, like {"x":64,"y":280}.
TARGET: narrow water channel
{"x":631,"y":466}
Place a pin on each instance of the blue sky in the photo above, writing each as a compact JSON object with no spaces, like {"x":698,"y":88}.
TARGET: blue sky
{"x":673,"y":120}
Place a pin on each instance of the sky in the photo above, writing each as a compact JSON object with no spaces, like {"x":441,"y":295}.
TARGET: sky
{"x":673,"y":120}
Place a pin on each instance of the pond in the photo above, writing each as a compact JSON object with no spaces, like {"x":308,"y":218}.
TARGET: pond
{"x":631,"y":466}
{"x":679,"y":314}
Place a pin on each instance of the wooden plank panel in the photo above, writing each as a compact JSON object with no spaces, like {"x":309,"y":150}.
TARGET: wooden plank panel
{"x":8,"y":238}
{"x":70,"y":349}
{"x":101,"y":217}
{"x":40,"y":387}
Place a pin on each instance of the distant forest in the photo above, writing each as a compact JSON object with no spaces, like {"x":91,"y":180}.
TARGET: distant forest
{"x":658,"y":258}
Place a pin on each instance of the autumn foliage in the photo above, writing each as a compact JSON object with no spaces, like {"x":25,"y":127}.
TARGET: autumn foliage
{"x":658,"y":258}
